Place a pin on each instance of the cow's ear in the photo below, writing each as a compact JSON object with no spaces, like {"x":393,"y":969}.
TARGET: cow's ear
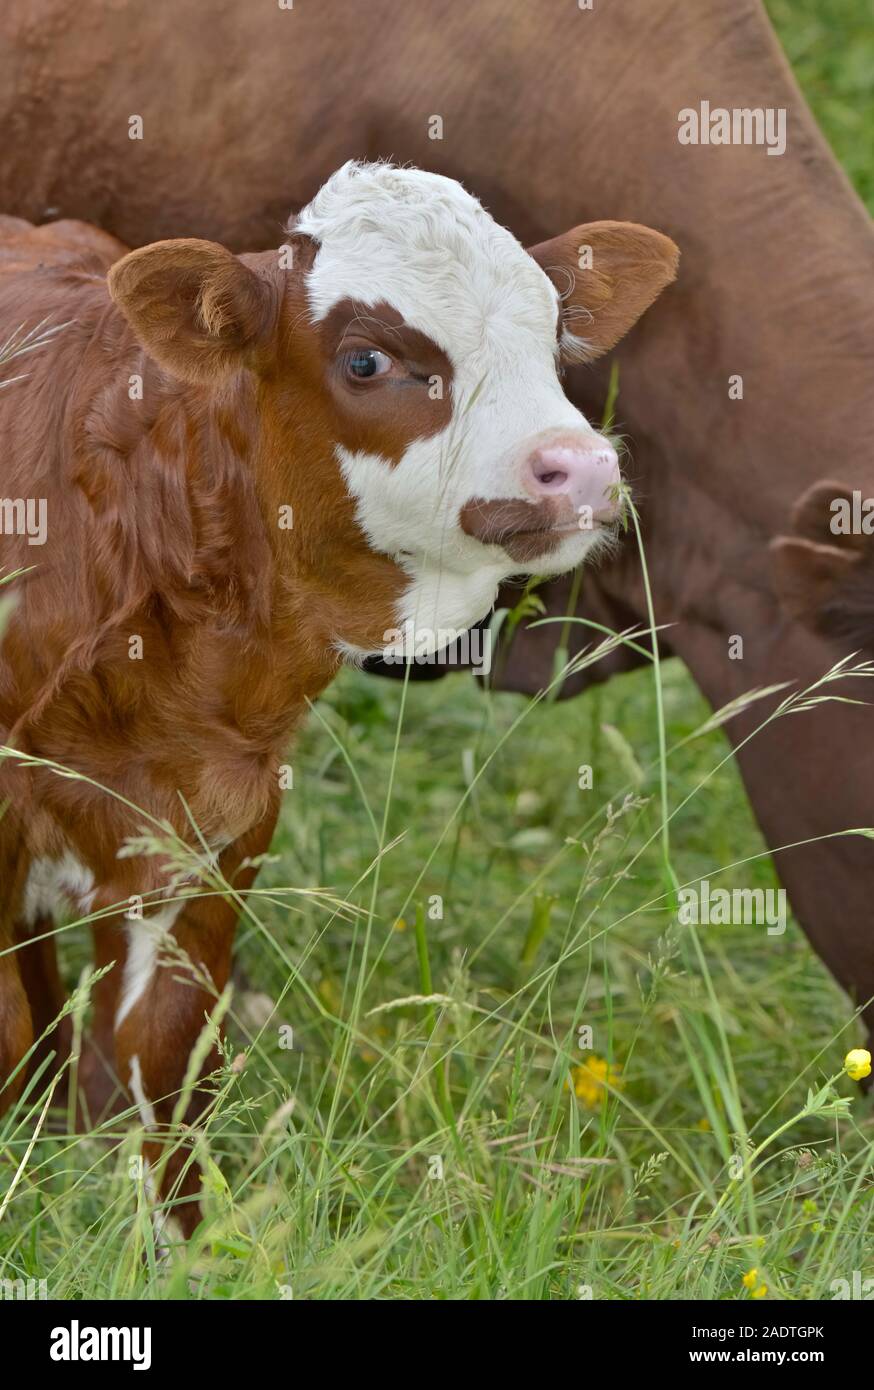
{"x":195,"y":307}
{"x":607,"y":274}
{"x":815,"y":516}
{"x":809,"y":578}
{"x":824,"y":571}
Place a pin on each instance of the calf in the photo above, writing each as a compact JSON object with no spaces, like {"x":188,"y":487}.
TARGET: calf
{"x":252,"y":469}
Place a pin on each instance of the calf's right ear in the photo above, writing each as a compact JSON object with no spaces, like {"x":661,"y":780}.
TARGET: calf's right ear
{"x":195,"y":307}
{"x":606,"y":274}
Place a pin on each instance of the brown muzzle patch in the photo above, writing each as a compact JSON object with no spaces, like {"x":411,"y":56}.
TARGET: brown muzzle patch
{"x":525,"y":530}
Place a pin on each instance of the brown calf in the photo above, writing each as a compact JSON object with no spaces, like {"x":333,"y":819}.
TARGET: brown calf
{"x":242,"y":471}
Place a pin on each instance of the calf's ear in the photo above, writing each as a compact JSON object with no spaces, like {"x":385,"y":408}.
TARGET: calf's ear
{"x":607,"y":274}
{"x":195,"y":307}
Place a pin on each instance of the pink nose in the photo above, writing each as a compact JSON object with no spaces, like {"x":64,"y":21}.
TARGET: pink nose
{"x":586,"y":474}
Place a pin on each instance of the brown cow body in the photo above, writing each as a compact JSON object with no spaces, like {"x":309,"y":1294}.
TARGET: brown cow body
{"x":543,"y":117}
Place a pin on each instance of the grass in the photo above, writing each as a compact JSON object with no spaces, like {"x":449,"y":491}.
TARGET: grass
{"x":831,"y":48}
{"x":508,"y":1073}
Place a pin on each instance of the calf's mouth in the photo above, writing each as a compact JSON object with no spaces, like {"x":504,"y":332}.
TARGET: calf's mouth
{"x":525,"y":530}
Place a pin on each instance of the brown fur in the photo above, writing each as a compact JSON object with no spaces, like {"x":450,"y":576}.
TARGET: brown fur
{"x":163,"y":523}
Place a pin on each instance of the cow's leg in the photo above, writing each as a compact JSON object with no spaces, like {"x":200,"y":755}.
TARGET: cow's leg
{"x":809,"y":777}
{"x":163,"y":1011}
{"x":16,"y":1025}
{"x":101,"y":1092}
{"x":46,"y":994}
{"x":154,"y":1040}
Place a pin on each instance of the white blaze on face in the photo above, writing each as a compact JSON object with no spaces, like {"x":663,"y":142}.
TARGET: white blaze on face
{"x":419,"y":242}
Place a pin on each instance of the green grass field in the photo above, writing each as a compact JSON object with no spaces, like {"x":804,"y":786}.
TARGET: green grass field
{"x":443,"y":1125}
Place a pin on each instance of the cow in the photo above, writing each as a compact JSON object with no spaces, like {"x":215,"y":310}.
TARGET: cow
{"x":252,"y":468}
{"x":551,"y":114}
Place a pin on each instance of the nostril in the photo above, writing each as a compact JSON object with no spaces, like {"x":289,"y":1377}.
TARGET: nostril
{"x":552,"y":469}
{"x":551,"y":477}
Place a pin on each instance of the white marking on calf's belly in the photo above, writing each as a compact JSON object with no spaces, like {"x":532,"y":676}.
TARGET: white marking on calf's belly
{"x":143,"y":944}
{"x":53,"y":884}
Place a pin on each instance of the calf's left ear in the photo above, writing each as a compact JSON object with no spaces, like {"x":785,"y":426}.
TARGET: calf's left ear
{"x":607,"y":274}
{"x":195,"y":307}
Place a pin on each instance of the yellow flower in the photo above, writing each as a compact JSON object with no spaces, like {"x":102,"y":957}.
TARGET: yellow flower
{"x":704,"y":1124}
{"x":750,"y":1278}
{"x":329,"y":994}
{"x":760,"y":1291}
{"x":857,"y":1063}
{"x":592,"y":1079}
{"x":400,"y":924}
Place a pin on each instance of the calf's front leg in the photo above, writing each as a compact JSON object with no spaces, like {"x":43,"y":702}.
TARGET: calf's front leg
{"x":16,"y":1026}
{"x":164,"y":1001}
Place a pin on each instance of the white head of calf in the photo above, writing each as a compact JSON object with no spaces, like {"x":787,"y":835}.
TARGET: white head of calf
{"x":409,"y":405}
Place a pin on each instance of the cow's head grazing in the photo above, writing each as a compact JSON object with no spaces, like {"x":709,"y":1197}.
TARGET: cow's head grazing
{"x":409,"y":407}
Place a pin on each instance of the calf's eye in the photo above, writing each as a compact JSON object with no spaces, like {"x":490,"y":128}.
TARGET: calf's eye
{"x":362,"y":363}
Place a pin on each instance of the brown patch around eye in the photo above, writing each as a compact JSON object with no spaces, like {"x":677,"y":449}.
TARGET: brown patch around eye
{"x":385,"y":414}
